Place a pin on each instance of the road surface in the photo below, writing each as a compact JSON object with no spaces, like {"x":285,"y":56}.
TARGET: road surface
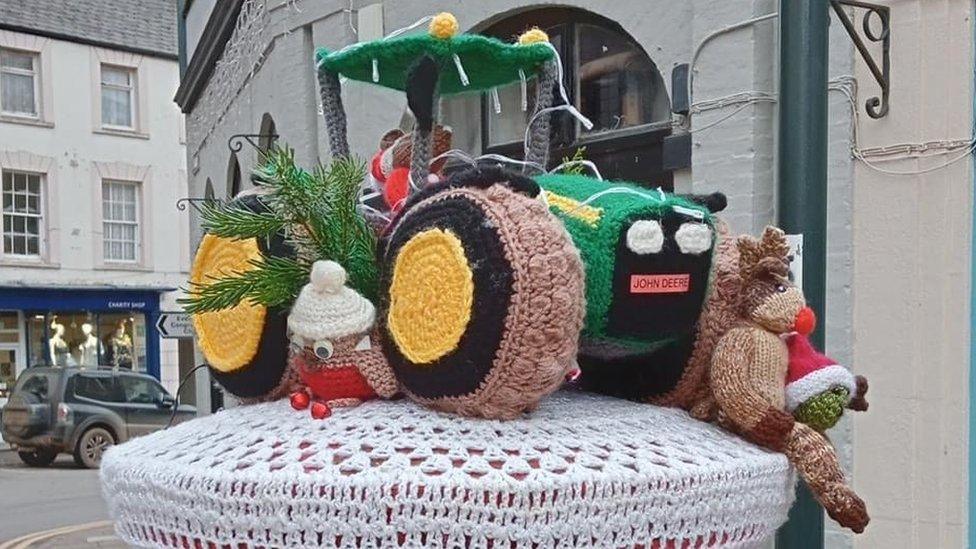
{"x":39,"y":500}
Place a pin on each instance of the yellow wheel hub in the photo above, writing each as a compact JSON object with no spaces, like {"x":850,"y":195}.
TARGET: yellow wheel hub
{"x":229,"y":338}
{"x":430,"y":296}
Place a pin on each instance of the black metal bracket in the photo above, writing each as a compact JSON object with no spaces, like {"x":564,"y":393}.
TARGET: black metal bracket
{"x":236,"y":142}
{"x":876,"y":107}
{"x":182,"y":203}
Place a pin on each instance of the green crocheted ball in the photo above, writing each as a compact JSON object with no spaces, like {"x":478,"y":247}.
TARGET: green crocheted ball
{"x":487,"y":62}
{"x":824,"y":410}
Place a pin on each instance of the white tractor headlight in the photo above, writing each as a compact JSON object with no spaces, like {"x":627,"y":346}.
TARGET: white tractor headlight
{"x":645,"y":237}
{"x":693,"y":238}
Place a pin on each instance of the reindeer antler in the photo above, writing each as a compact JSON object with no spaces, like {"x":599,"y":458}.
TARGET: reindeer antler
{"x":773,"y":243}
{"x":768,"y":254}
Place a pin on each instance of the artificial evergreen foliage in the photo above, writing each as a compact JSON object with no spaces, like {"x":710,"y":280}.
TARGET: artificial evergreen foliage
{"x":236,"y":222}
{"x":272,"y":282}
{"x":578,"y":168}
{"x":316,"y":214}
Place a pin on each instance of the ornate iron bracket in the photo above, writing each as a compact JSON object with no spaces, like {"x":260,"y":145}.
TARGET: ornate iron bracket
{"x":236,"y":142}
{"x":876,"y":107}
{"x":182,"y":203}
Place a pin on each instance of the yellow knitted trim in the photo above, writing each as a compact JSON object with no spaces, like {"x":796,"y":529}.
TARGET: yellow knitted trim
{"x":585,"y":213}
{"x":229,"y":339}
{"x":430,"y":296}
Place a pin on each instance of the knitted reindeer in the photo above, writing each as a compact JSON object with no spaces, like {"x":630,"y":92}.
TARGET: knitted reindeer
{"x":749,"y":368}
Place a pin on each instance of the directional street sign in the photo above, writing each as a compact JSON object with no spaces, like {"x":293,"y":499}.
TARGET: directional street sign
{"x":174,"y":325}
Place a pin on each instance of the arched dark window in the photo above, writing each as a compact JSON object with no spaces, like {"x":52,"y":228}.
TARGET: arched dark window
{"x":268,"y":132}
{"x":609,"y":77}
{"x":208,"y":190}
{"x":233,"y":176}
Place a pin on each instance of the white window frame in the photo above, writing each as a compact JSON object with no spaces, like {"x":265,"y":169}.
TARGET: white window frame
{"x":34,"y":73}
{"x":137,"y":224}
{"x":132,"y":88}
{"x":20,"y":347}
{"x":41,"y":217}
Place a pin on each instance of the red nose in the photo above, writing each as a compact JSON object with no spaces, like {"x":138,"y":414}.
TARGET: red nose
{"x":806,"y":321}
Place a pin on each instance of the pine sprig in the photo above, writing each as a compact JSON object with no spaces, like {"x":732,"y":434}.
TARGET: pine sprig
{"x":318,"y":214}
{"x":272,"y":282}
{"x":578,"y":168}
{"x":322,"y":210}
{"x":230,"y":221}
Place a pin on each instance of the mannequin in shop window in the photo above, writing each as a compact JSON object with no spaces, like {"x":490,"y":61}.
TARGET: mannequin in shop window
{"x":90,"y":347}
{"x":119,"y":348}
{"x":58,"y":351}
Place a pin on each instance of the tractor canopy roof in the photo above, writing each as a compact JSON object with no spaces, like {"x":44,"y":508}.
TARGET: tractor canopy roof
{"x":484,"y":62}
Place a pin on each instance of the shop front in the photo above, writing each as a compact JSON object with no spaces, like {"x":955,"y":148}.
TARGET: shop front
{"x":87,"y":328}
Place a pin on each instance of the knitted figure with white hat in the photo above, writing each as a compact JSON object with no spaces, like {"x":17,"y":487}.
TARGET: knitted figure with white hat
{"x":333,"y":348}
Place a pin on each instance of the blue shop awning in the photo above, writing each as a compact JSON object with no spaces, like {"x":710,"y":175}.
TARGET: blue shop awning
{"x":85,"y":299}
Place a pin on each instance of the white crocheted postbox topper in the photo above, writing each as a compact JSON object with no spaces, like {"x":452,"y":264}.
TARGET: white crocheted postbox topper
{"x":581,"y":471}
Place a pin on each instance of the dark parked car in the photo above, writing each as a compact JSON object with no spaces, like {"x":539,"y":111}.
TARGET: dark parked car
{"x":82,"y":411}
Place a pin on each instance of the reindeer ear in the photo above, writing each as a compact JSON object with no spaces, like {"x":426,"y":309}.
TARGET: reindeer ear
{"x":771,"y":265}
{"x":390,"y":137}
{"x":773,"y":243}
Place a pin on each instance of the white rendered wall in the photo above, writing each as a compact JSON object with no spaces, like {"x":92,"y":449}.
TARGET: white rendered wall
{"x":75,"y":158}
{"x":912,"y":286}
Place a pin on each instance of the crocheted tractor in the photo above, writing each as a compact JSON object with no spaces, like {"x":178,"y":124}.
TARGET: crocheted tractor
{"x":647,"y":254}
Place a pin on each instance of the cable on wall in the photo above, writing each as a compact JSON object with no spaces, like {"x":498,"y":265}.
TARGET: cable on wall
{"x":847,"y":85}
{"x":869,"y":156}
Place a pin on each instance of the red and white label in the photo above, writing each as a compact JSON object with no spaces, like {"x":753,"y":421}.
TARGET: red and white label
{"x":660,"y":284}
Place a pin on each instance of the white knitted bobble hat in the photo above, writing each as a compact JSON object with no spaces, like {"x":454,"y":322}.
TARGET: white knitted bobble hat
{"x":327,"y":309}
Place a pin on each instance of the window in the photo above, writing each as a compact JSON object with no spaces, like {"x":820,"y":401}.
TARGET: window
{"x":99,"y":387}
{"x":141,"y":390}
{"x":120,"y":221}
{"x":22,"y":214}
{"x":617,"y":85}
{"x":35,"y":383}
{"x":18,"y":83}
{"x":9,"y":327}
{"x":233,"y":176}
{"x":118,"y":97}
{"x":9,"y":350}
{"x":607,"y":76}
{"x":269,"y":133}
{"x":87,"y":339}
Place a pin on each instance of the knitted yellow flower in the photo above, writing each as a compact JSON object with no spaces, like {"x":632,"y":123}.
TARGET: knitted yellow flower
{"x":535,"y":35}
{"x":444,"y":25}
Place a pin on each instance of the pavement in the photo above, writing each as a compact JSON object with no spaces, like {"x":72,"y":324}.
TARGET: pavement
{"x":57,"y":506}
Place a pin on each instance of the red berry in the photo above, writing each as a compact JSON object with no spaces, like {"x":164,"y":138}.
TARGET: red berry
{"x":321,"y":410}
{"x":299,"y":400}
{"x":397,"y":187}
{"x":374,"y":167}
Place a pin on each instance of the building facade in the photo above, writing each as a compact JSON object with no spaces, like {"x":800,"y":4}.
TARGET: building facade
{"x":899,"y":224}
{"x":92,"y":162}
